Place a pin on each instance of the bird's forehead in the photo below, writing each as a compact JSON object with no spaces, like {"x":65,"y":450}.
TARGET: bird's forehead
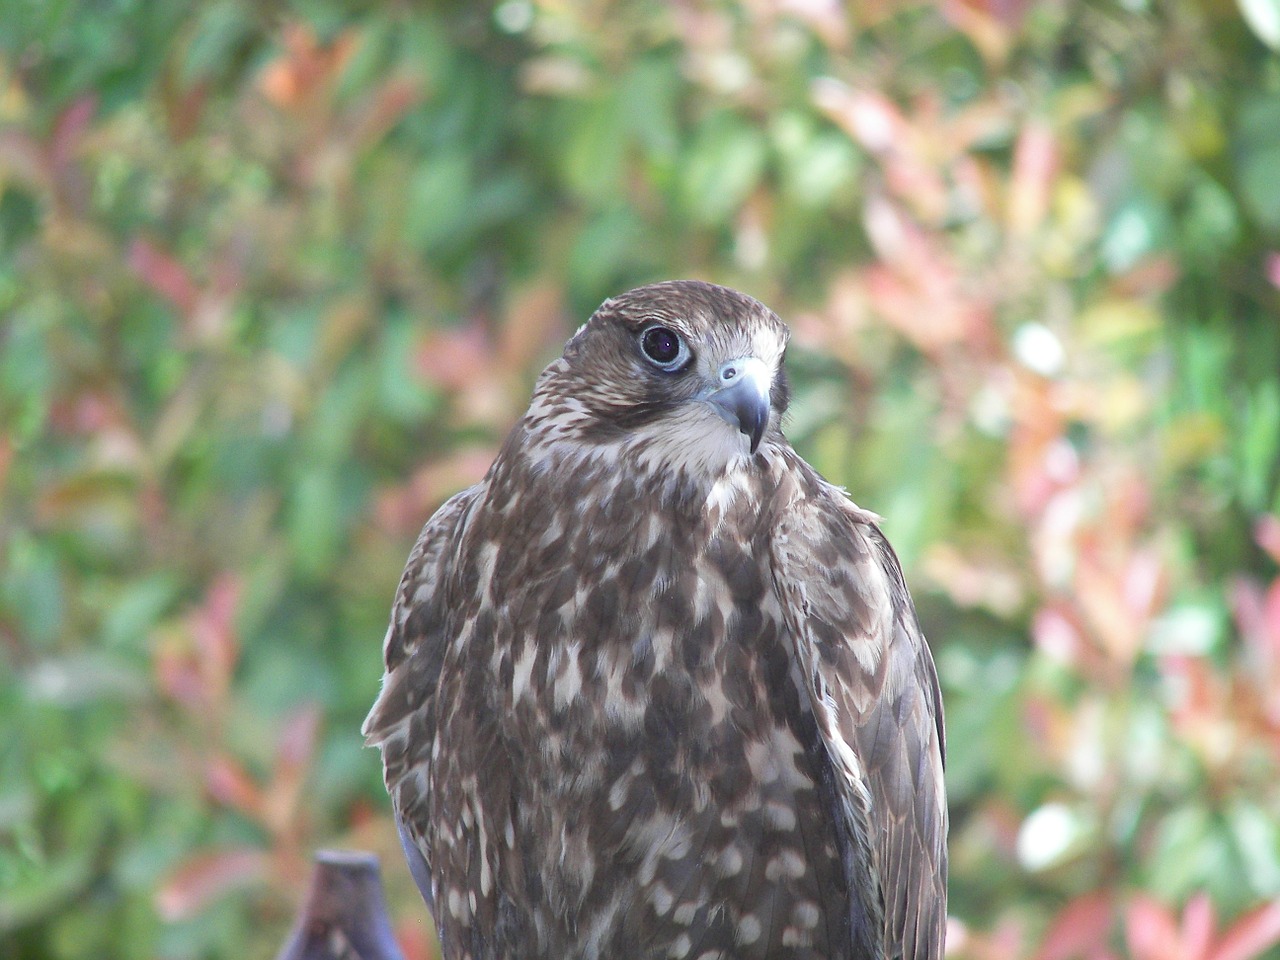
{"x":716,"y":317}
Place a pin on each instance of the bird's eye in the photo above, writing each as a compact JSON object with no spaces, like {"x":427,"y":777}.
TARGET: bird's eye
{"x":664,"y":348}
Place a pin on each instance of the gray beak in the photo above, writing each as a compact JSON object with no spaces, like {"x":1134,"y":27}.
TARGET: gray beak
{"x":742,"y":396}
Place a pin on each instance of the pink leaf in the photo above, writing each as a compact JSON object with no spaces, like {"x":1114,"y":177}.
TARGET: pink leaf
{"x":1151,"y":930}
{"x":298,"y":738}
{"x":1144,"y":578}
{"x":69,"y":128}
{"x":1251,"y":935}
{"x":385,"y":107}
{"x":454,"y":358}
{"x":294,"y":751}
{"x":416,"y":940}
{"x":1197,"y":927}
{"x":1079,"y":929}
{"x":205,"y":877}
{"x":229,"y":784}
{"x":1248,"y":609}
{"x":1273,"y":269}
{"x":214,"y":628}
{"x":875,"y":120}
{"x":164,"y":274}
{"x":1267,"y":529}
{"x":1271,"y":618}
{"x":1035,"y":167}
{"x":1056,"y":633}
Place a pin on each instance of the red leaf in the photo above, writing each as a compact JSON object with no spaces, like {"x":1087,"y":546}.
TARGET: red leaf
{"x":534,"y":319}
{"x":183,"y":109}
{"x":305,"y":68}
{"x":298,"y":738}
{"x":1035,"y":169}
{"x":178,"y":675}
{"x":1251,"y":935}
{"x":1008,"y":12}
{"x":68,"y":130}
{"x":213,"y":626}
{"x":205,"y":877}
{"x":385,"y":107}
{"x":1080,"y":928}
{"x":6,"y":460}
{"x":294,"y":751}
{"x":456,"y":358}
{"x":400,"y":510}
{"x":416,"y":940}
{"x":230,"y":784}
{"x":164,"y":274}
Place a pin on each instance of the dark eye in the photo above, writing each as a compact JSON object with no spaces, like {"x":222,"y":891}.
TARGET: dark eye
{"x":664,"y":348}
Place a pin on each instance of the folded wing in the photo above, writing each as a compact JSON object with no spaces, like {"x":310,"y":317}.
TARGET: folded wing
{"x":874,"y":691}
{"x":404,"y":717}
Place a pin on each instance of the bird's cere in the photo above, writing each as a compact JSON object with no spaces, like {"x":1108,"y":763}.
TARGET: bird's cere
{"x":741,"y":396}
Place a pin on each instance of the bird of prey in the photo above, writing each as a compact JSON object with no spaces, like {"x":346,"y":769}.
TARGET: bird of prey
{"x":656,"y":689}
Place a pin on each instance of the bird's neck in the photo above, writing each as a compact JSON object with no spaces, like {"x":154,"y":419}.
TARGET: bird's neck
{"x":683,"y":486}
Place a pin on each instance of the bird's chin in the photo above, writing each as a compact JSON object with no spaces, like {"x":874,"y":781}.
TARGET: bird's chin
{"x":733,"y":436}
{"x":698,"y":445}
{"x":727,"y":417}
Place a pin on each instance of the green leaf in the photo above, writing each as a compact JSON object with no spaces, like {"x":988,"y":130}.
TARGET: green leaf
{"x":41,"y":892}
{"x":1211,"y":224}
{"x":313,"y":520}
{"x":595,"y":151}
{"x":1259,"y":450}
{"x":220,"y":28}
{"x":1257,"y":838}
{"x":1258,"y":158}
{"x":723,"y":166}
{"x":137,"y":607}
{"x":32,"y":589}
{"x":437,"y":200}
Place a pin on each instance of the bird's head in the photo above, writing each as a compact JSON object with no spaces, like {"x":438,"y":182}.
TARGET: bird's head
{"x":682,"y":370}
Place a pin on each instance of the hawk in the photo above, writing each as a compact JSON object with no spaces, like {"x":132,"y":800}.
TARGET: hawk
{"x":656,"y":689}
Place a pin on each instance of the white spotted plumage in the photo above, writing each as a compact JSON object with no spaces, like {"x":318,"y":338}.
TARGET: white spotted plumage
{"x":654,"y":688}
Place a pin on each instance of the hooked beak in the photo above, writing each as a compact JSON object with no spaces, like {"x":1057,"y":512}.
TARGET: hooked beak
{"x":742,"y":396}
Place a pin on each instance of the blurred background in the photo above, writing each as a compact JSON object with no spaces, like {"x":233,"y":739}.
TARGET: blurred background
{"x":275,"y":279}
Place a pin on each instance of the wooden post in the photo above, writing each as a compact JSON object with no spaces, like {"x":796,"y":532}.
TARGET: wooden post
{"x":344,"y":916}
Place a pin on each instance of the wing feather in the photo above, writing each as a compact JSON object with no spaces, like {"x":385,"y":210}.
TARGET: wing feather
{"x":874,"y":692}
{"x":403,"y":719}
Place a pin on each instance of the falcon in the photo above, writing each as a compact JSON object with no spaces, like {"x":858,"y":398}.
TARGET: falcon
{"x":656,"y":689}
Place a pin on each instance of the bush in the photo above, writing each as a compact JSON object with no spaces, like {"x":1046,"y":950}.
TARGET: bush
{"x":275,"y":284}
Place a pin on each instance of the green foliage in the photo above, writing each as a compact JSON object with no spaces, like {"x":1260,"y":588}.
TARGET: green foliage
{"x":274,"y":281}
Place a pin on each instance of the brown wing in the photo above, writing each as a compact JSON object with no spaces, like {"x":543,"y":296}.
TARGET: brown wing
{"x":874,"y":691}
{"x":403,"y":719}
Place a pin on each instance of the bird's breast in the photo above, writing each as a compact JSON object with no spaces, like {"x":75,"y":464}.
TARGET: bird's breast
{"x":634,"y":679}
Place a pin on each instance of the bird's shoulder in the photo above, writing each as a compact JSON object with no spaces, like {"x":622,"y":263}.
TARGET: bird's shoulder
{"x":843,"y":582}
{"x":414,"y":646}
{"x":828,"y":557}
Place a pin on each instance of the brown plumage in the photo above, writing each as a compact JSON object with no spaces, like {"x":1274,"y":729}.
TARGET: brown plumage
{"x":654,"y":688}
